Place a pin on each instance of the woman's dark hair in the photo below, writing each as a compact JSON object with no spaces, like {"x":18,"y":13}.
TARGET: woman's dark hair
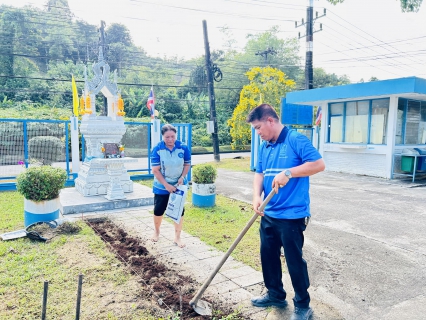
{"x":261,"y":113}
{"x":167,"y":127}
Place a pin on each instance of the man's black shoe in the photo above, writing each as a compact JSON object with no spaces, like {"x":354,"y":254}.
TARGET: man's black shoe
{"x":301,"y":313}
{"x":267,"y":301}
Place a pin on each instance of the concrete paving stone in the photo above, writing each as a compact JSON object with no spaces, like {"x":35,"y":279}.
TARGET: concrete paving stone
{"x":238,"y":271}
{"x":255,"y":314}
{"x":195,"y":244}
{"x":181,"y":258}
{"x":218,"y":280}
{"x":201,"y":270}
{"x":206,"y":254}
{"x":194,"y":247}
{"x":235,"y":297}
{"x":131,"y":224}
{"x":171,"y":251}
{"x":223,"y":286}
{"x":214,"y":261}
{"x":173,"y":255}
{"x":256,"y":289}
{"x":249,"y":280}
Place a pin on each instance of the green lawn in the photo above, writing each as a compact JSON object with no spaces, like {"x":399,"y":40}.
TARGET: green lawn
{"x":26,"y":264}
{"x":241,"y":165}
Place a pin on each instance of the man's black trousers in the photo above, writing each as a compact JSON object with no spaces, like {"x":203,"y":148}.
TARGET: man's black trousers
{"x":277,"y":233}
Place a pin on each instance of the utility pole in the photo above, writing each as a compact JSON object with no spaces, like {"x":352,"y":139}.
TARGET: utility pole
{"x":265,"y":54}
{"x":102,"y":44}
{"x":210,"y":86}
{"x":309,"y":71}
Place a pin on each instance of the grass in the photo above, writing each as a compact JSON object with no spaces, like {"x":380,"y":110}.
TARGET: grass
{"x":223,"y":148}
{"x":26,"y":264}
{"x":240,"y":165}
{"x":222,"y":224}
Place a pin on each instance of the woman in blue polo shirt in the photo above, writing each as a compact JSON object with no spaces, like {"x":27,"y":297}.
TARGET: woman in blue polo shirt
{"x":171,"y":161}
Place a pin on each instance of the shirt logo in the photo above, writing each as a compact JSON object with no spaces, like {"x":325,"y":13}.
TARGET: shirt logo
{"x":180,"y":154}
{"x":283,"y":151}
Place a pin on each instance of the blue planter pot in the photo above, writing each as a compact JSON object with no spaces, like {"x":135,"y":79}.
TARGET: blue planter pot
{"x":203,"y":195}
{"x":42,"y":211}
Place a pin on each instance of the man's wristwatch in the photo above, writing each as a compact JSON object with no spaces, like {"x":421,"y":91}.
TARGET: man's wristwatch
{"x":288,"y":174}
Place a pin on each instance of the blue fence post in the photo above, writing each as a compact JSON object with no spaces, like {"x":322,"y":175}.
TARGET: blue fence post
{"x":190,"y":148}
{"x":26,"y":158}
{"x":149,"y":148}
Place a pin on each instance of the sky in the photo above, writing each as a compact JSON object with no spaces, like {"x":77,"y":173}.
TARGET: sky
{"x":359,"y":38}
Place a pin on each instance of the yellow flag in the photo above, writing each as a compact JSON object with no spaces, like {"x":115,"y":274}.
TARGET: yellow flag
{"x":74,"y":97}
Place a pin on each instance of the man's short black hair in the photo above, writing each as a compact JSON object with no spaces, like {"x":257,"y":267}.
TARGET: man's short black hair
{"x":262,"y":112}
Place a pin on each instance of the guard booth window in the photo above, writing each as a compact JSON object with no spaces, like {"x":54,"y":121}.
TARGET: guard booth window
{"x":363,"y":121}
{"x":411,"y":122}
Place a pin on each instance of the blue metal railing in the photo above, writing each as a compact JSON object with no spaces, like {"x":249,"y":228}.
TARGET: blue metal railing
{"x":9,"y":150}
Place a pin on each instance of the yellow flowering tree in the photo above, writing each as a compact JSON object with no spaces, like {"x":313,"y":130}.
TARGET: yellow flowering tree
{"x":266,"y":85}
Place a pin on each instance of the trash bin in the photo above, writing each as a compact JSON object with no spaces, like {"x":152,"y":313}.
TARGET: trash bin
{"x":421,"y":161}
{"x":407,"y":162}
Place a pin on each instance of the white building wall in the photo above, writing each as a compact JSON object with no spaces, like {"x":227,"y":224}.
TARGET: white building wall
{"x":356,"y":163}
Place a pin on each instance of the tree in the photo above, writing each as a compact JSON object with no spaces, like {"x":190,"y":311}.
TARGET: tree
{"x":268,"y":85}
{"x":406,"y":5}
{"x":323,"y":79}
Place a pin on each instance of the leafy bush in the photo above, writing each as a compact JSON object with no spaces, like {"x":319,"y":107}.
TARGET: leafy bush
{"x":204,"y":174}
{"x":41,"y":183}
{"x":45,"y":149}
{"x":136,"y":136}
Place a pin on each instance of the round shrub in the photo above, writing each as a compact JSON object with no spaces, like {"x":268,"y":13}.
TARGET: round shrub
{"x":45,"y":149}
{"x":41,"y":183}
{"x":204,"y":174}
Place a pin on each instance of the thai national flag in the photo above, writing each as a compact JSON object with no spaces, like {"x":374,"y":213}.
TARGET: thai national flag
{"x":319,"y":115}
{"x":151,"y":103}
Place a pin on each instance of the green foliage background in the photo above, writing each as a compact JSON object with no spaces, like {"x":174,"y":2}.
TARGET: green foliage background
{"x":42,"y":48}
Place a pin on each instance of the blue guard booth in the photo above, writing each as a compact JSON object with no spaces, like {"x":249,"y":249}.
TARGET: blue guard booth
{"x":294,"y":116}
{"x":376,"y":128}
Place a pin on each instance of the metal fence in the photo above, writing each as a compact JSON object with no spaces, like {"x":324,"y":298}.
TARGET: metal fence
{"x":24,"y":143}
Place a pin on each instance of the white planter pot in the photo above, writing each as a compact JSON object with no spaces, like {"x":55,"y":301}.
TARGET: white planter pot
{"x":40,"y":211}
{"x":203,"y":195}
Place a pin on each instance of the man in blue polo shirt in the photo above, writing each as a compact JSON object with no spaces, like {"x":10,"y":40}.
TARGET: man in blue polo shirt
{"x":285,"y":162}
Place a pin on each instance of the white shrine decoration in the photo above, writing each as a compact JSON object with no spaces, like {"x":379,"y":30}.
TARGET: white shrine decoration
{"x":97,"y":175}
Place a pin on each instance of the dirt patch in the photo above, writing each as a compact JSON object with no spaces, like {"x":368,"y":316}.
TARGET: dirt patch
{"x":166,"y":289}
{"x":45,"y":232}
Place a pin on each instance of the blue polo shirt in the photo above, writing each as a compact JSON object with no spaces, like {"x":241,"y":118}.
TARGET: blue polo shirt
{"x":290,"y":150}
{"x":171,"y":164}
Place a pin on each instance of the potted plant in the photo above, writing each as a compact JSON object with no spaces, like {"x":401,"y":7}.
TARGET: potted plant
{"x":40,"y":187}
{"x":203,"y":187}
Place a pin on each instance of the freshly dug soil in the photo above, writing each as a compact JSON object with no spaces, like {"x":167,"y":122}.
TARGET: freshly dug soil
{"x":165,"y":288}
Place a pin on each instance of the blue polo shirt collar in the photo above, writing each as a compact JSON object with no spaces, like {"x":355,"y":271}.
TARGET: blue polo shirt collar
{"x":281,"y":138}
{"x":177,"y":145}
